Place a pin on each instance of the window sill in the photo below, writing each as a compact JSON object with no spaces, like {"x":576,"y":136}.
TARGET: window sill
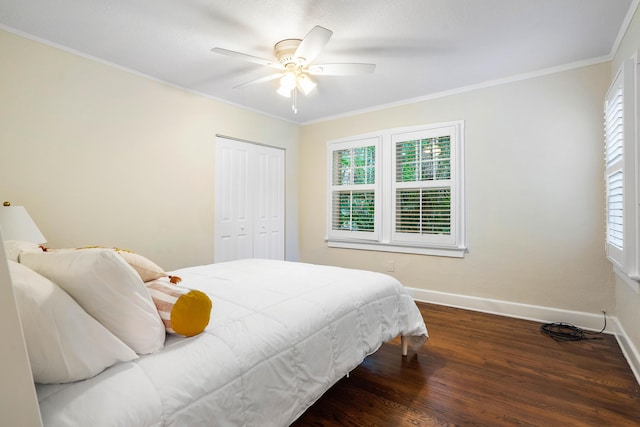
{"x":452,"y":252}
{"x":633,"y":282}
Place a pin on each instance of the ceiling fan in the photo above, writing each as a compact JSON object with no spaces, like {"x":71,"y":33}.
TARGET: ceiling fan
{"x":293,"y":60}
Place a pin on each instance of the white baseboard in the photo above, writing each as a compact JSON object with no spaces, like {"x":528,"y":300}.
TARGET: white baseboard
{"x":536,"y":313}
{"x":629,"y":350}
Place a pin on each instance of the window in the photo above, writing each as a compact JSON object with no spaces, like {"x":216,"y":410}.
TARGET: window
{"x":423,"y":203}
{"x":621,"y":166}
{"x":354,"y":191}
{"x":398,"y":190}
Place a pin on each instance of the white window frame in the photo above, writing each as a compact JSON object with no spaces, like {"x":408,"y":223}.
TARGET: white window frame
{"x":351,"y":143}
{"x":387,"y":240}
{"x":623,"y":252}
{"x":419,"y":134}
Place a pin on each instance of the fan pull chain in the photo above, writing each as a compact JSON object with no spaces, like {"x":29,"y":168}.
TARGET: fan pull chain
{"x":294,"y":105}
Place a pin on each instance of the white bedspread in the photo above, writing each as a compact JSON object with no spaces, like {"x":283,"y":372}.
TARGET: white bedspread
{"x":281,"y":333}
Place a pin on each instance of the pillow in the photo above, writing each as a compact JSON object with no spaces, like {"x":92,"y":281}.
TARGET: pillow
{"x":183,"y":312}
{"x":108,"y":289}
{"x":147,"y":269}
{"x":64,"y":343}
{"x":15,"y":247}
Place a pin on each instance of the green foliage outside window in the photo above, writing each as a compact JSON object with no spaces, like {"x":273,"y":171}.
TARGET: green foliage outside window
{"x":424,"y":159}
{"x":354,"y":166}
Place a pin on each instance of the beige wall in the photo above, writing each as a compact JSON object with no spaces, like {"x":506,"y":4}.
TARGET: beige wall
{"x":628,"y":302}
{"x":535,"y":194}
{"x":100,"y":156}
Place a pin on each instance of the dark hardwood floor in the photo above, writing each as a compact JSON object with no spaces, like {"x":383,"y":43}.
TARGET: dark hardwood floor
{"x":484,"y":370}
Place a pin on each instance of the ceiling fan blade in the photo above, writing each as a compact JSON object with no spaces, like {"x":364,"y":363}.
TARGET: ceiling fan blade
{"x":313,"y":43}
{"x":245,"y":57}
{"x":260,"y":80}
{"x":341,"y":69}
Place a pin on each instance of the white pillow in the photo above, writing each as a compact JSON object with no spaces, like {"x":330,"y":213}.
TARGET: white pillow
{"x":64,"y":343}
{"x":108,"y":289}
{"x":15,"y":247}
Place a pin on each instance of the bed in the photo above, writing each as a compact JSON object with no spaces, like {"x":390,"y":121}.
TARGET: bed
{"x":280,"y":334}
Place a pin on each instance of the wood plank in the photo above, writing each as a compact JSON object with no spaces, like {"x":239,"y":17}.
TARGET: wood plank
{"x":484,"y":370}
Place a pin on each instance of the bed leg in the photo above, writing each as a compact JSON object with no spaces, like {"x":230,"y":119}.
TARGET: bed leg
{"x":405,"y":343}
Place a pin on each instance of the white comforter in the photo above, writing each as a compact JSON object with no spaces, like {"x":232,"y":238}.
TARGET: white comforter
{"x":280,"y":335}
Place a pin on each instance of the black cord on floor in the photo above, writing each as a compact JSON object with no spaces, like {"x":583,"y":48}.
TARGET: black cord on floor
{"x":561,"y":331}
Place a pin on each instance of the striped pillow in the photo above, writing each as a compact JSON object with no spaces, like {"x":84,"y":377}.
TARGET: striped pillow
{"x":183,"y":312}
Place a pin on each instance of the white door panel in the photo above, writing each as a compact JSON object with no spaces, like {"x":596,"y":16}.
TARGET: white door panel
{"x":250,"y":201}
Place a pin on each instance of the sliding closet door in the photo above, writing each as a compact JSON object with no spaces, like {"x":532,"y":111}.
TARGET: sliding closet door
{"x":249,"y":198}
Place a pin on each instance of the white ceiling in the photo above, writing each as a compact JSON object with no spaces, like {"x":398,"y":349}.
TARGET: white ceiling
{"x":421,"y":47}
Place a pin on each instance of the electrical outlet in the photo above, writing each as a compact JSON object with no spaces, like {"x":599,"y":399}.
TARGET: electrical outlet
{"x":390,"y":265}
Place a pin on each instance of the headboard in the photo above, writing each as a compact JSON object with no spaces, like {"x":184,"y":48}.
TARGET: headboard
{"x":18,"y":401}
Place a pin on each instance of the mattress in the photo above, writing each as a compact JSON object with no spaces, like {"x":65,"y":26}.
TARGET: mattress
{"x":281,"y":334}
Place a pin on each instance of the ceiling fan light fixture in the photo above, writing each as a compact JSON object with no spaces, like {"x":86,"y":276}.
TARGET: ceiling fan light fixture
{"x":284,"y":91}
{"x":288,"y":81}
{"x":305,"y":84}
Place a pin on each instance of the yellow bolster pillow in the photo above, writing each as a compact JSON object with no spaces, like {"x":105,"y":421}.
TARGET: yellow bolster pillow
{"x":183,"y":311}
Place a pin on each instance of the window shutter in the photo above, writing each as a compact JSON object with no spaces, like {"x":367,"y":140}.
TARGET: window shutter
{"x":615,"y":210}
{"x":614,"y":170}
{"x":614,"y":127}
{"x":353,"y":211}
{"x":423,"y":211}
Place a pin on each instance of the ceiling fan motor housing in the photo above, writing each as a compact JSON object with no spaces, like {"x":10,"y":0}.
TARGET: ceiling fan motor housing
{"x":285,"y":50}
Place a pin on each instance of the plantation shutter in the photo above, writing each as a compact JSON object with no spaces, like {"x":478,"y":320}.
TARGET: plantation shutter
{"x":614,"y":164}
